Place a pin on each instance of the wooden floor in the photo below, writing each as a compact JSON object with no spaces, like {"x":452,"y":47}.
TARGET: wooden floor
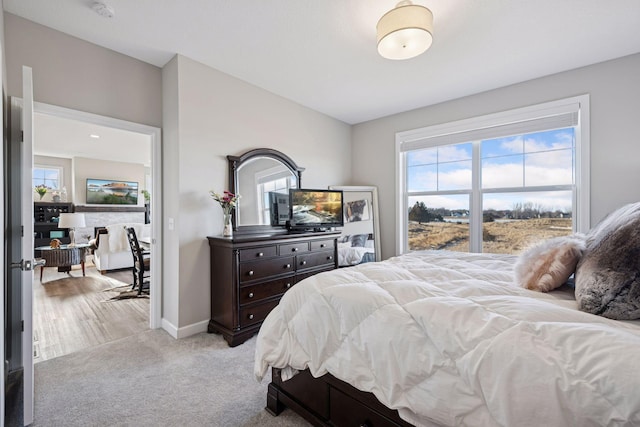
{"x":72,"y":312}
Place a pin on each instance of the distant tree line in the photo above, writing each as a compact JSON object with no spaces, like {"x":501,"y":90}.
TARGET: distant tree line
{"x":420,"y":213}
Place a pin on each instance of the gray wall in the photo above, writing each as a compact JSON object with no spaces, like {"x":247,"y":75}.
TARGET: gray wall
{"x":614,"y":89}
{"x":76,"y":74}
{"x":219,"y":115}
{"x":205,"y":116}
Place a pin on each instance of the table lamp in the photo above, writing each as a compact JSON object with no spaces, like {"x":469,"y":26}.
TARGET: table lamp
{"x":71,"y":221}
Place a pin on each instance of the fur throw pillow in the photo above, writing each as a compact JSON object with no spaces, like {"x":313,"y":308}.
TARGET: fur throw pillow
{"x":549,"y":264}
{"x":608,"y":275}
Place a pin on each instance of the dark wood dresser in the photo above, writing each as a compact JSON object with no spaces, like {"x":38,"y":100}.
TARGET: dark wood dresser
{"x":250,"y":273}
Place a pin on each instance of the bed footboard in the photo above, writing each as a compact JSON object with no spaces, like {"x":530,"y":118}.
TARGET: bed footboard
{"x":327,"y":401}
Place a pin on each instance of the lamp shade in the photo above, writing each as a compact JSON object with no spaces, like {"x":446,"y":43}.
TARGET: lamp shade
{"x":71,"y":220}
{"x":405,"y":32}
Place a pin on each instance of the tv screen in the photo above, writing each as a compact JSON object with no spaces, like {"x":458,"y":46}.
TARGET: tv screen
{"x":111,"y":192}
{"x":315,"y":209}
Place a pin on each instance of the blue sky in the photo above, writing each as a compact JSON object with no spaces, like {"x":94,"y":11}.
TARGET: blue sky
{"x":536,"y":159}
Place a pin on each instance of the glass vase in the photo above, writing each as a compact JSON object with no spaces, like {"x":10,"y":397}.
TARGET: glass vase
{"x":228,"y":227}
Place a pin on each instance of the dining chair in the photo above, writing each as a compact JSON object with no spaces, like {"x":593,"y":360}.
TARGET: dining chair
{"x":141,"y":263}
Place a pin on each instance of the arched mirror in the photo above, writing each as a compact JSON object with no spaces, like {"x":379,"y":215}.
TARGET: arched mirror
{"x":262,"y":177}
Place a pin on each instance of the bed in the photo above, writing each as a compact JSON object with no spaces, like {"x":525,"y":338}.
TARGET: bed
{"x":356,"y":249}
{"x":440,"y":338}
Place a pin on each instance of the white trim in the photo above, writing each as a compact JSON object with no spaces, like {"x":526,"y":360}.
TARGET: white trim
{"x":155,"y":307}
{"x":401,"y":205}
{"x":410,"y":138}
{"x":185,"y":331}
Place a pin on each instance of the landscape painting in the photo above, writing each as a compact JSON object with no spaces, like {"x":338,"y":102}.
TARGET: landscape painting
{"x":110,"y":192}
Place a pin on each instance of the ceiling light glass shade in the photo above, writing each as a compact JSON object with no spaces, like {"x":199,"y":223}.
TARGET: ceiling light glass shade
{"x":405,"y":32}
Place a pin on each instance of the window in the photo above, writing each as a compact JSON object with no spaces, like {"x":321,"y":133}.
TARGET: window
{"x":496,"y":183}
{"x":273,"y":188}
{"x":50,"y":177}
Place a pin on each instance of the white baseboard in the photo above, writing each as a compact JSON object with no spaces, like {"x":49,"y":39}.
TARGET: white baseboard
{"x":185,"y":331}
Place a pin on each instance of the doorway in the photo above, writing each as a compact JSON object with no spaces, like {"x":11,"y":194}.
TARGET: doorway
{"x":48,"y":115}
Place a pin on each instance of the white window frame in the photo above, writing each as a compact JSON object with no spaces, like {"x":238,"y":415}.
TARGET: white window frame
{"x":60,"y":170}
{"x":482,"y":125}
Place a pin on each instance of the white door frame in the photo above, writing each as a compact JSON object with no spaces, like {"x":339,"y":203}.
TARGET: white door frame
{"x":155,"y":290}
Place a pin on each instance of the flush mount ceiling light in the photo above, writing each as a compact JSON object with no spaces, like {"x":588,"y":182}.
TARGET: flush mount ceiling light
{"x":103,"y":9}
{"x":405,"y":32}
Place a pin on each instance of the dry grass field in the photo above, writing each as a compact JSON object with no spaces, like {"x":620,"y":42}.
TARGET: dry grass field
{"x":498,"y":237}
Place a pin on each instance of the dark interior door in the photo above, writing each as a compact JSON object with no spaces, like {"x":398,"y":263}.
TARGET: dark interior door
{"x":14,"y":369}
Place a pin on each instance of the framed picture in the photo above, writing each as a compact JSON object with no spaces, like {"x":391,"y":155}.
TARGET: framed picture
{"x":356,"y":210}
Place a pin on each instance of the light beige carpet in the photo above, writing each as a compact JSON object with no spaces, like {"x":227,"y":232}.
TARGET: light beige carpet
{"x":152,"y":379}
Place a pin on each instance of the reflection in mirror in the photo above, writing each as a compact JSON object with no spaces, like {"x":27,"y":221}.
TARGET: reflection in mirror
{"x":360,"y":238}
{"x":262,"y":177}
{"x":264,"y":185}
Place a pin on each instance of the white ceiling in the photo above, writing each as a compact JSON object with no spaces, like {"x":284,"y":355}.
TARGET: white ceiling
{"x":322,"y":53}
{"x":62,"y":137}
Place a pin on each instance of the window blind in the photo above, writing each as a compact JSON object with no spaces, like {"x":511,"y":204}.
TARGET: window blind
{"x":495,"y":130}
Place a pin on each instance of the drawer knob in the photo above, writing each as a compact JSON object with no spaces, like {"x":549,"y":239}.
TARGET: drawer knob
{"x":303,"y":263}
{"x":329,"y":257}
{"x":287,"y":266}
{"x":250,"y":273}
{"x":260,"y":254}
{"x":295,"y":249}
{"x":322,"y":245}
{"x":288,"y":285}
{"x":250,"y":294}
{"x":250,"y":316}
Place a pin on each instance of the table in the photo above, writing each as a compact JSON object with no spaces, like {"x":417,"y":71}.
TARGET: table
{"x":63,"y":257}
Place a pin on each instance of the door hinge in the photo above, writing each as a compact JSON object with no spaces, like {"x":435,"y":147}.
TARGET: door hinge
{"x":21,"y":136}
{"x":22,"y":325}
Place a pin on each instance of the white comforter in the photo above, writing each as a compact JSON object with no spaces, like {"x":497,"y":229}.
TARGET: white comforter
{"x":447,"y":338}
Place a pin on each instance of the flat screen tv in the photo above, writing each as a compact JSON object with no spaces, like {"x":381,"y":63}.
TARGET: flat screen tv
{"x":111,"y":192}
{"x":315,"y":210}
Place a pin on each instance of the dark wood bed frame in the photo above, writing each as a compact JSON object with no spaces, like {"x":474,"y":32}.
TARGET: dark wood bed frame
{"x":327,"y":401}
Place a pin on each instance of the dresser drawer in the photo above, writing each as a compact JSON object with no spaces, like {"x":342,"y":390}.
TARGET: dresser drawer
{"x":256,"y":313}
{"x":262,"y":269}
{"x":322,"y":245}
{"x":258,"y":253}
{"x":346,"y":411}
{"x":314,"y":259}
{"x":294,"y":248}
{"x":253,"y":293}
{"x":307,"y":273}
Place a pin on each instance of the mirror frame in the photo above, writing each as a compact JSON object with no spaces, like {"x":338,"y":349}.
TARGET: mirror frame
{"x":234,"y":164}
{"x":374,"y":210}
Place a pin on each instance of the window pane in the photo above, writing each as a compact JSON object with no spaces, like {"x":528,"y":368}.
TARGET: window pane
{"x":500,"y":147}
{"x":48,"y":177}
{"x":512,"y":222}
{"x":426,"y":156}
{"x":502,"y":172}
{"x":454,"y":176}
{"x":455,"y":152}
{"x":549,"y":140}
{"x":549,"y":168}
{"x":422,"y":178}
{"x":439,"y":222}
{"x":440,"y":168}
